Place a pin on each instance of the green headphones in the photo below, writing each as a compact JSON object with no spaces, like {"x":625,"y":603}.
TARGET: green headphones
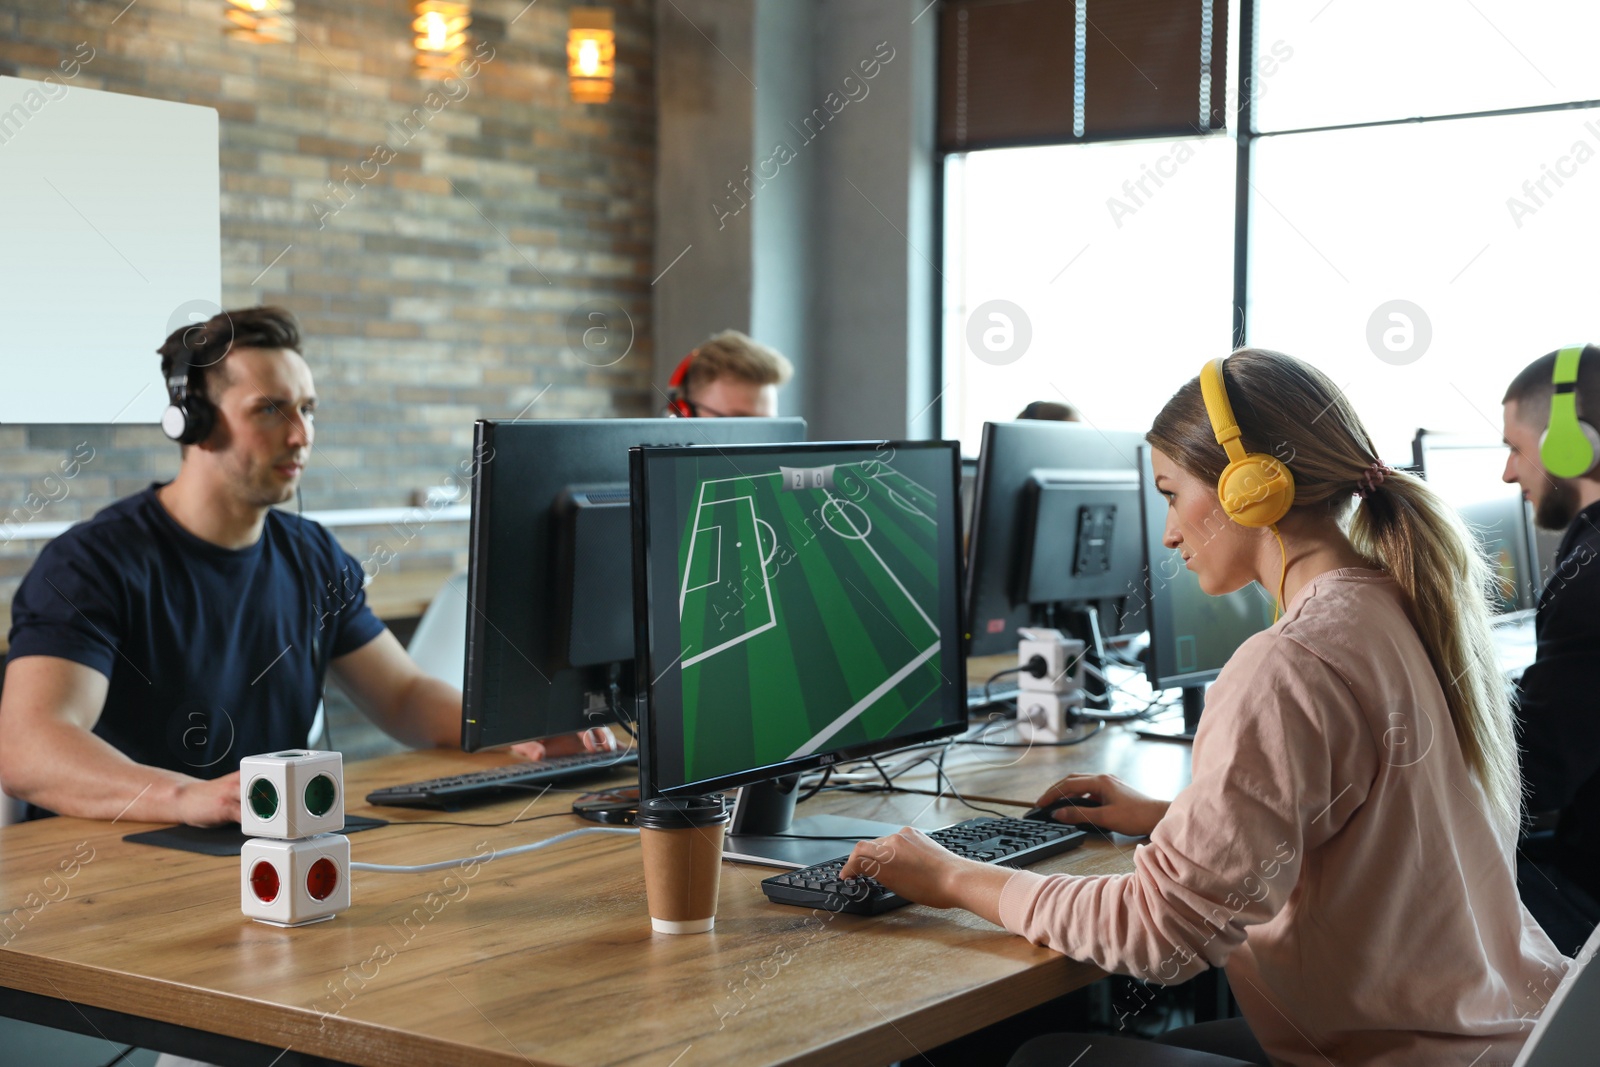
{"x":1570,"y":447}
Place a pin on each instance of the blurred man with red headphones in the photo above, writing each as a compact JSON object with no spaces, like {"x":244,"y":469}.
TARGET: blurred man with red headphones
{"x":728,"y":376}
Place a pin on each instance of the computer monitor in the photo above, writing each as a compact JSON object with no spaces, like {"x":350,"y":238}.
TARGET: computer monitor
{"x":969,"y":485}
{"x":550,"y":617}
{"x":1466,"y":472}
{"x":1192,"y":634}
{"x":1055,"y":538}
{"x":797,"y":606}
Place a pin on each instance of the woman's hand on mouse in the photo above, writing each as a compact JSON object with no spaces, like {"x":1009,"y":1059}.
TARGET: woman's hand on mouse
{"x":1114,"y":805}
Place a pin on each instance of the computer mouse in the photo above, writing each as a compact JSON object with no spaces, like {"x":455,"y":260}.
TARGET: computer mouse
{"x":617,"y":807}
{"x":1043,"y":814}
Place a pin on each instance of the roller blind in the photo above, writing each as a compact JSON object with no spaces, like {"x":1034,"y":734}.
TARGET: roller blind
{"x":1024,"y":72}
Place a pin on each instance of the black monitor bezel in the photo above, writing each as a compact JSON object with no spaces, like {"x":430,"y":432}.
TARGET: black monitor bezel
{"x":1528,"y":543}
{"x":953,"y":692}
{"x":484,"y":714}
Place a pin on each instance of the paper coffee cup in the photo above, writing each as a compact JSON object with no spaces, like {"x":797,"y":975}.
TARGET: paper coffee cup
{"x":682,"y":842}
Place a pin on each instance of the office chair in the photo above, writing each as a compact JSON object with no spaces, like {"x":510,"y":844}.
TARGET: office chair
{"x":11,"y":810}
{"x":1568,"y":1030}
{"x":440,"y":643}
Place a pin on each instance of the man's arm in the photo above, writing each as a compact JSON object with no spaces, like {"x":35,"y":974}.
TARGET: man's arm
{"x":419,"y":710}
{"x":49,"y":757}
{"x":1559,"y":727}
{"x":391,"y":690}
{"x":1558,"y":723}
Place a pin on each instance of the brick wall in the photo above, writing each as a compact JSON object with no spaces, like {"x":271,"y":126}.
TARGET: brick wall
{"x":435,"y":247}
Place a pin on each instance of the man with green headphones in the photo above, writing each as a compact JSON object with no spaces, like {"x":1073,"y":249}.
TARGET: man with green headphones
{"x":1555,"y":458}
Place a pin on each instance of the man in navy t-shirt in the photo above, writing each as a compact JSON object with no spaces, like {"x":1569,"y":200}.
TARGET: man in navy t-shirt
{"x":192,"y":624}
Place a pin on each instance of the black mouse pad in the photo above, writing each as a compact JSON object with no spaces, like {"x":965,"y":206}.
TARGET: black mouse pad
{"x":224,"y":840}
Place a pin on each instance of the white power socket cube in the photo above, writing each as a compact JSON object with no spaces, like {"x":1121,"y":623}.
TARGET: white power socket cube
{"x":293,"y":883}
{"x":295,"y":793}
{"x":1063,"y":658}
{"x":1047,"y":717}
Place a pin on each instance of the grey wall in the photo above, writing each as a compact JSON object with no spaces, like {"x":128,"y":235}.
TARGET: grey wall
{"x":784,"y":252}
{"x":707,"y":96}
{"x":827,"y":250}
{"x":874,"y":268}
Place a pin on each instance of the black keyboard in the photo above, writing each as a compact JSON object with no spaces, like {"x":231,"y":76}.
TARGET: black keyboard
{"x":1007,"y":842}
{"x":999,"y":692}
{"x":494,"y":782}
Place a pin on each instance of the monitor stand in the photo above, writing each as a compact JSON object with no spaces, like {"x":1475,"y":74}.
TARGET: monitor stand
{"x":1083,"y":623}
{"x":765,"y":831}
{"x":1194,"y":701}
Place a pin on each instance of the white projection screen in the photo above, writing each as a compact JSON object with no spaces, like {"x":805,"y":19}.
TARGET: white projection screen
{"x":111,"y":237}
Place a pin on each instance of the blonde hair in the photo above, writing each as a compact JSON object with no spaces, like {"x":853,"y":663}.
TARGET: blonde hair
{"x":1290,"y":409}
{"x":731,"y":354}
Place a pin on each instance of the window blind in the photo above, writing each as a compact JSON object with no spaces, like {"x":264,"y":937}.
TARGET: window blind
{"x":1030,"y":72}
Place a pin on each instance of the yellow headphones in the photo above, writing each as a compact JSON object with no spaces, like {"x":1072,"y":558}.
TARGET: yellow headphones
{"x":1255,"y":489}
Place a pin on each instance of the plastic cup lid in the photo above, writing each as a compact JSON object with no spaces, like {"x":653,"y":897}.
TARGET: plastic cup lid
{"x":680,"y":813}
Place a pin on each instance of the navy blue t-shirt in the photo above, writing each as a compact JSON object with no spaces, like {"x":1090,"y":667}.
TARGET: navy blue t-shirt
{"x":213,"y":654}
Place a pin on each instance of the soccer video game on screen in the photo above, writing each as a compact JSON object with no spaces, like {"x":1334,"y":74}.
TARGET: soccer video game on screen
{"x":808,"y":603}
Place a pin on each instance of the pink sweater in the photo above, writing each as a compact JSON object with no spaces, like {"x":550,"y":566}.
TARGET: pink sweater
{"x":1332,"y":850}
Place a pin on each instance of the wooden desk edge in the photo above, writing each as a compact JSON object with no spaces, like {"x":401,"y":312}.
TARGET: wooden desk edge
{"x":261,"y":1022}
{"x":939,"y":1023}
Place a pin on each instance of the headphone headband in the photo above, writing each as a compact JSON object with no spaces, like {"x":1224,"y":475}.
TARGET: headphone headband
{"x":1567,"y":361}
{"x":678,"y":402}
{"x":682,"y":371}
{"x":1223,"y":423}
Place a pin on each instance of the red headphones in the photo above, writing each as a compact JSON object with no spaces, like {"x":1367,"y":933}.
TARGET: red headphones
{"x":678,"y":403}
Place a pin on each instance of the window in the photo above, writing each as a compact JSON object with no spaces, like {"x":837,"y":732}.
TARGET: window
{"x":1356,"y":61}
{"x":1069,"y":265}
{"x":1421,"y":253}
{"x":1482,"y":226}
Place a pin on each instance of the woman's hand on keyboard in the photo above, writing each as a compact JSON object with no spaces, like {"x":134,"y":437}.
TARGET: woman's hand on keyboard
{"x":599,"y":739}
{"x":1110,"y":804}
{"x":918,"y":868}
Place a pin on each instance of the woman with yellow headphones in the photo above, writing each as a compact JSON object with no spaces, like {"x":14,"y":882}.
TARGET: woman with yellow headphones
{"x":1345,"y":845}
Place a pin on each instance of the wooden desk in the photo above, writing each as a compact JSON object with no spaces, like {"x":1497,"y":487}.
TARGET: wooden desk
{"x":538,"y":959}
{"x":393,"y":595}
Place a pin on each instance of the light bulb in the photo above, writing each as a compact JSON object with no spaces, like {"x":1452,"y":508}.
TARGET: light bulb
{"x":588,"y":58}
{"x":437,"y":30}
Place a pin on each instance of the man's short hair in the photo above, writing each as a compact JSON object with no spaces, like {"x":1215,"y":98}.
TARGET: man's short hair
{"x":1533,"y":388}
{"x":731,"y":354}
{"x":210,"y":341}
